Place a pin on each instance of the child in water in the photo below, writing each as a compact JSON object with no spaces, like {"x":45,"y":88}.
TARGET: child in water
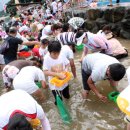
{"x":43,"y":48}
{"x":54,"y":64}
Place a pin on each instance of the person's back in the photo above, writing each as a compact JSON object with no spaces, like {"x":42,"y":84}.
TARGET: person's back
{"x":66,"y":37}
{"x":97,"y":59}
{"x":26,"y":78}
{"x":28,"y":73}
{"x":10,"y":53}
{"x":17,"y":100}
{"x":21,"y":63}
{"x":67,"y":52}
{"x":20,"y":104}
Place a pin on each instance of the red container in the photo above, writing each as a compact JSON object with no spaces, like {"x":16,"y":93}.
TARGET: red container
{"x":24,"y":54}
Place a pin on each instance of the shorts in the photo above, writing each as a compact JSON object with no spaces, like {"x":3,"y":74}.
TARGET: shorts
{"x":64,"y":92}
{"x":85,"y":77}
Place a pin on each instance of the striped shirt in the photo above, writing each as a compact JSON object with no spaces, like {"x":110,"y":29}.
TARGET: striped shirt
{"x":66,"y":38}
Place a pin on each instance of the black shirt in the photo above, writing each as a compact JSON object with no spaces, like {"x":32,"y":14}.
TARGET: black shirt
{"x":11,"y":53}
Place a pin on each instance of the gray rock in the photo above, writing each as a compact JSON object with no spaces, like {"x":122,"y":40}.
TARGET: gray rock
{"x":89,"y":25}
{"x":126,"y":24}
{"x":93,"y":14}
{"x":124,"y":34}
{"x":116,"y":28}
{"x":100,"y":23}
{"x":114,"y":15}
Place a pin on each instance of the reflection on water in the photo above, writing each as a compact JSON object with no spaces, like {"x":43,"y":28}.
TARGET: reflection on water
{"x":89,"y":114}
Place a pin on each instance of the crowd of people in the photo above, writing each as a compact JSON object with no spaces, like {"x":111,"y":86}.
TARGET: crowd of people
{"x":51,"y":43}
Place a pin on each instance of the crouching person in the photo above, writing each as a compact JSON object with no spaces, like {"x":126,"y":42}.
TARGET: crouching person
{"x":26,"y":79}
{"x":96,"y":67}
{"x":12,"y":69}
{"x":21,"y":112}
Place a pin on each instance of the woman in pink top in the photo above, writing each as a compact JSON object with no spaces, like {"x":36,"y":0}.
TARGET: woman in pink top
{"x":118,"y":51}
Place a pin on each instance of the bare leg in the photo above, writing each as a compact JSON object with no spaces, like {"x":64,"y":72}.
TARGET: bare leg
{"x":1,"y":67}
{"x":39,"y":95}
{"x":128,"y":126}
{"x":85,"y":94}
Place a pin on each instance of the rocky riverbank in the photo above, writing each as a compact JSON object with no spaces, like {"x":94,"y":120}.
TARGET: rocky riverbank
{"x":117,"y":16}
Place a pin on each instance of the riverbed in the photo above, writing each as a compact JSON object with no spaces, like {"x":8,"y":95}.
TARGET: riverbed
{"x":90,"y":114}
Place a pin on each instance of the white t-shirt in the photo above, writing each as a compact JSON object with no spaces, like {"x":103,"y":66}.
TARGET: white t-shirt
{"x":46,"y":31}
{"x":26,"y":78}
{"x":24,"y":28}
{"x":60,"y":6}
{"x":21,"y":102}
{"x":97,"y":65}
{"x":54,"y":64}
{"x":43,"y":52}
{"x":54,"y":6}
{"x":67,"y":52}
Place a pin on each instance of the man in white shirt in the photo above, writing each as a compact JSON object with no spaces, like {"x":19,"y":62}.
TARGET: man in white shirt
{"x":26,"y":78}
{"x":96,"y":67}
{"x":19,"y":109}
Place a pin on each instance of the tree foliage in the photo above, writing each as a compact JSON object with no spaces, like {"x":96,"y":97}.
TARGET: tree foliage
{"x":11,"y":9}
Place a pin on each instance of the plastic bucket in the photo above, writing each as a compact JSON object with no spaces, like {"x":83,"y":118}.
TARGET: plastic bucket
{"x":39,"y":84}
{"x":113,"y":96}
{"x":80,"y":47}
{"x":24,"y":54}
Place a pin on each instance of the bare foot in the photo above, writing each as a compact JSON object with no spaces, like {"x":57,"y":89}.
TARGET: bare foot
{"x":85,"y":94}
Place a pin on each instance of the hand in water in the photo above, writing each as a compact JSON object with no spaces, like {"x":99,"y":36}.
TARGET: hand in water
{"x":61,"y":76}
{"x":102,"y":98}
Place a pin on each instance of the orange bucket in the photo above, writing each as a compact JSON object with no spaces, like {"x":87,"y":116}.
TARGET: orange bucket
{"x":59,"y":82}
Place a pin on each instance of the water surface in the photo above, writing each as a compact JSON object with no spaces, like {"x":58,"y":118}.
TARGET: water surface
{"x":89,"y":114}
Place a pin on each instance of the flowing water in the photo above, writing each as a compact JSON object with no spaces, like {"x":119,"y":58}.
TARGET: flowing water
{"x":90,"y":114}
